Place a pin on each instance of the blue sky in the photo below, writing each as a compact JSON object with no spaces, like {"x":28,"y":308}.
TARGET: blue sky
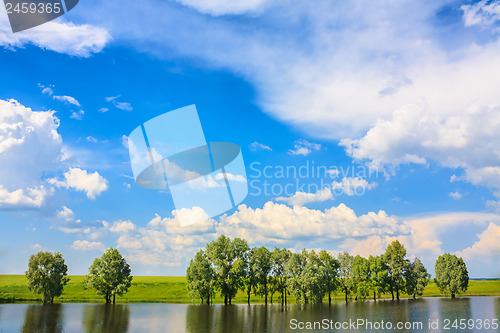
{"x":407,"y":89}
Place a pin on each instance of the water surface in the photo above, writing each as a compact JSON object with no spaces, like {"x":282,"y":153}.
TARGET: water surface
{"x":72,"y":317}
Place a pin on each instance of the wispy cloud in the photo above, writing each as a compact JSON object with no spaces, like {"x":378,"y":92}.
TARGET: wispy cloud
{"x":304,"y":148}
{"x":255,"y":146}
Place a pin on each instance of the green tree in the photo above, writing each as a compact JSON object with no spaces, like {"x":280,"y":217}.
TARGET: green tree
{"x":395,"y":261}
{"x":294,"y":267}
{"x":47,"y":275}
{"x":200,"y":277}
{"x":361,"y":276}
{"x":261,"y":267}
{"x":346,"y":279}
{"x":230,"y":262}
{"x":279,"y":258}
{"x":312,"y":278}
{"x":109,"y":275}
{"x":451,"y":274}
{"x":331,"y":267}
{"x":378,"y":275}
{"x":416,"y":277}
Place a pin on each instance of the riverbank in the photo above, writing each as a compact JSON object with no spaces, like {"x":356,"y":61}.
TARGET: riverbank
{"x":173,"y":289}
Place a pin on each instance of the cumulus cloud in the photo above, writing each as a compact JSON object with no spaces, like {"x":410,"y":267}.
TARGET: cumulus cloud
{"x":352,"y":186}
{"x":58,"y":36}
{"x":486,"y":250}
{"x":29,"y":146}
{"x":469,"y":139}
{"x":304,"y":148}
{"x":122,"y":227}
{"x":84,"y":245}
{"x":93,"y":184}
{"x":255,"y":146}
{"x":302,"y":198}
{"x":455,"y":195}
{"x":66,"y":213}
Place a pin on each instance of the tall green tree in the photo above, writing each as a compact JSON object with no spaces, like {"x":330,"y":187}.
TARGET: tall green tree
{"x":261,"y":266}
{"x":378,"y":275}
{"x":346,"y":279}
{"x":279,"y":258}
{"x":361,"y":276}
{"x":395,"y":260}
{"x":331,"y":267}
{"x":416,"y":277}
{"x":312,"y":278}
{"x":294,"y":267}
{"x":47,"y":275}
{"x":200,"y":277}
{"x":451,"y":274}
{"x":230,"y":262}
{"x":109,"y":275}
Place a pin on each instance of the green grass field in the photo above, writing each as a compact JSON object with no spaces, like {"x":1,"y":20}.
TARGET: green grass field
{"x":172,"y":289}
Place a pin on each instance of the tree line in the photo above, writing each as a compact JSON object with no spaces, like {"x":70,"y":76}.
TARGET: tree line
{"x":228,"y":266}
{"x":108,"y":275}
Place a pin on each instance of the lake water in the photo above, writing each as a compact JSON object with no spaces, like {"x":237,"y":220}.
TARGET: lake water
{"x":95,"y":318}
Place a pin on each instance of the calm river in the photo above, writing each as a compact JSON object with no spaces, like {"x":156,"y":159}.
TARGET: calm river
{"x":478,"y":314}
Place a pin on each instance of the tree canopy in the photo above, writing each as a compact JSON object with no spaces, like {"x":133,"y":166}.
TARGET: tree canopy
{"x":109,"y":275}
{"x":47,"y":275}
{"x":451,"y":274}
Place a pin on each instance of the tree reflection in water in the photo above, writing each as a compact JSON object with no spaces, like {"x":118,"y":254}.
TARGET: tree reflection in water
{"x":107,"y":318}
{"x":43,"y":318}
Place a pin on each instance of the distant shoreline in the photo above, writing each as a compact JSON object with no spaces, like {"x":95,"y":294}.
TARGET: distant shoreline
{"x":173,"y":289}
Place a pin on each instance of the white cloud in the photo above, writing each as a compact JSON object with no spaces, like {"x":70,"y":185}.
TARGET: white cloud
{"x":486,"y":249}
{"x":276,"y":222}
{"x":29,"y":146}
{"x":122,"y":227}
{"x":123,"y":106}
{"x":37,"y":247}
{"x":223,"y":7}
{"x":84,"y":245}
{"x":254,"y":146}
{"x":20,"y":198}
{"x":103,"y":110}
{"x":77,"y":115}
{"x":352,"y":186}
{"x":66,"y":99}
{"x":91,"y":139}
{"x":66,"y":214}
{"x":304,"y":147}
{"x":302,"y":198}
{"x":92,"y":184}
{"x":58,"y":36}
{"x":455,"y":195}
{"x":483,"y":13}
{"x":111,"y":98}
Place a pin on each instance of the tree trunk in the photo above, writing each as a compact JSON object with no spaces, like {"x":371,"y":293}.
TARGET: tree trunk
{"x":392,"y":292}
{"x":52,"y":300}
{"x":265,"y":291}
{"x":452,"y":295}
{"x":397,"y":294}
{"x":230,"y":300}
{"x":285,"y":296}
{"x":374,"y":296}
{"x":414,"y":296}
{"x":272,"y":298}
{"x":345,"y":295}
{"x":329,"y":297}
{"x":248,"y":298}
{"x":225,"y":299}
{"x":114,"y":298}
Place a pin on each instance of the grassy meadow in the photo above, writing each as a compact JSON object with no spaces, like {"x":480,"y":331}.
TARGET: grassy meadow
{"x":172,"y":289}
